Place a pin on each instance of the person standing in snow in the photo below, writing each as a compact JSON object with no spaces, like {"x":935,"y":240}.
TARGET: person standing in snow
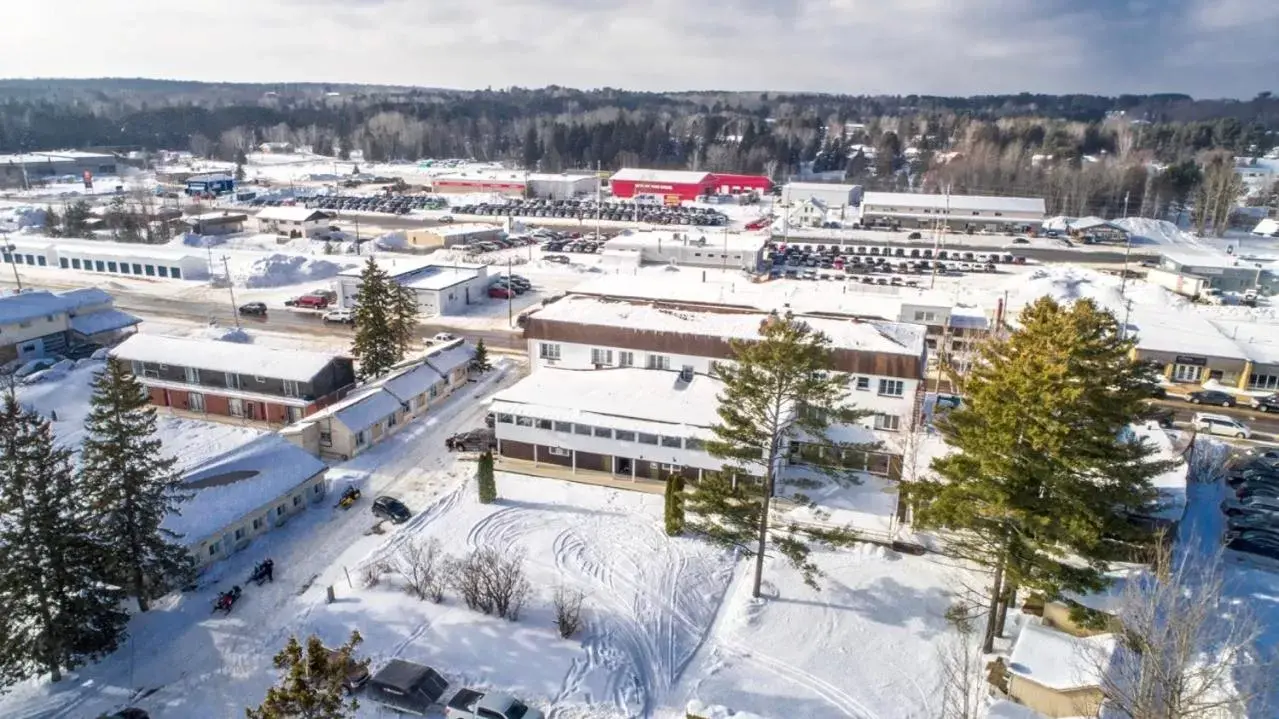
{"x":270,"y":570}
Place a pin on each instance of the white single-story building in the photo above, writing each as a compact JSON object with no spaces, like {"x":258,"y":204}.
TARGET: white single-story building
{"x":243,"y":493}
{"x":1057,"y":674}
{"x":112,"y":258}
{"x":695,"y":247}
{"x":831,"y":194}
{"x":959,"y":212}
{"x":292,"y":221}
{"x":441,"y":289}
{"x":561,"y":187}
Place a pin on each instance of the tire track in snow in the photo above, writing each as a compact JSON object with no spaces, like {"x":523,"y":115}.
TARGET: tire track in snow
{"x":837,"y":697}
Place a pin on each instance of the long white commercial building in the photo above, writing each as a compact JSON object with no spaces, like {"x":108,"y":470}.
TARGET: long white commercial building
{"x":958,"y":212}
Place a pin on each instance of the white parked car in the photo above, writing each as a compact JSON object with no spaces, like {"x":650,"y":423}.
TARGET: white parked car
{"x":443,"y":337}
{"x":346,"y":317}
{"x":1210,"y":423}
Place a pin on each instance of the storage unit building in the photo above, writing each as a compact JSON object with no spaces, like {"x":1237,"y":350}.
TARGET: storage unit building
{"x":135,"y":260}
{"x":24,"y":169}
{"x":1227,"y":273}
{"x":441,"y":289}
{"x":678,"y":185}
{"x":830,"y":194}
{"x":561,"y":187}
{"x":958,"y":212}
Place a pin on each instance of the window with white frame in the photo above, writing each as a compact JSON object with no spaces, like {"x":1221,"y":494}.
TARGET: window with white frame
{"x":544,"y":424}
{"x":647,"y":438}
{"x":863,"y":384}
{"x":565,"y":427}
{"x":582,"y":429}
{"x":891,"y":387}
{"x":1263,"y":381}
{"x":548,"y":351}
{"x":524,"y":421}
{"x":624,"y":436}
{"x":888,"y":422}
{"x":672,"y":442}
{"x":604,"y":432}
{"x":558,"y":452}
{"x":922,"y":316}
{"x":625,"y":359}
{"x":601,"y":356}
{"x":504,"y":418}
{"x":694,"y":443}
{"x":659,"y":362}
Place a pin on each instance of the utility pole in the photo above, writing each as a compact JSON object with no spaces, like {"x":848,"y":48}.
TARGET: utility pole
{"x":1126,"y":194}
{"x":235,"y":309}
{"x":510,"y":296}
{"x":599,"y":202}
{"x":944,"y":224}
{"x":8,"y":247}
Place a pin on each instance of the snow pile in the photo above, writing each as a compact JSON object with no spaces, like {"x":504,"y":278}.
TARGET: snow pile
{"x":1067,"y":283}
{"x":698,"y":710}
{"x":26,"y":216}
{"x":391,"y":241}
{"x":228,"y":334}
{"x":1159,"y":232}
{"x":277,"y":270}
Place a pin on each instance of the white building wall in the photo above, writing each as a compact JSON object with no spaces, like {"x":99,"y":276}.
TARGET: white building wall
{"x":598,"y":445}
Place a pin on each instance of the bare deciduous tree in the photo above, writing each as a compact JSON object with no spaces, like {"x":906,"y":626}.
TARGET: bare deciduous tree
{"x":490,"y":582}
{"x":568,"y":610}
{"x":422,"y":564}
{"x":962,"y":685}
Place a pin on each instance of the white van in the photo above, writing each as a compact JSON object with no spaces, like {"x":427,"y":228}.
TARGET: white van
{"x":1220,"y":424}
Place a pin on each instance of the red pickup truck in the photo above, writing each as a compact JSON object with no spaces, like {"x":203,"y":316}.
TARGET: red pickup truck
{"x":310,"y":302}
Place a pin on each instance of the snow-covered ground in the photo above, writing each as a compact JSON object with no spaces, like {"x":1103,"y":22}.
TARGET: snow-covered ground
{"x":191,"y":441}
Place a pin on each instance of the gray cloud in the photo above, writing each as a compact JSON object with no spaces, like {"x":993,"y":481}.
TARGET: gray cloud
{"x":1204,"y":47}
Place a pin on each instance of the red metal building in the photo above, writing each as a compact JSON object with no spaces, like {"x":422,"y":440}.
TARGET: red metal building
{"x":683,"y":185}
{"x":727,"y":184}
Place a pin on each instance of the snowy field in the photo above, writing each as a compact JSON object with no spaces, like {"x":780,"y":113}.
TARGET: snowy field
{"x":191,"y":441}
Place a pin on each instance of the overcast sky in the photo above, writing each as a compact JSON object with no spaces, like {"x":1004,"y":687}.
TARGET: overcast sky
{"x":1208,"y":48}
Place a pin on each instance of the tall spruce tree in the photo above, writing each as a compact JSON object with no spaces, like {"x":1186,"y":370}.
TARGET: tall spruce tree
{"x":480,"y":362}
{"x":486,"y":484}
{"x":404,"y":311}
{"x":377,"y":344}
{"x":313,"y":683}
{"x":1043,"y":471}
{"x":779,"y":389}
{"x":131,"y":486}
{"x":59,"y":609}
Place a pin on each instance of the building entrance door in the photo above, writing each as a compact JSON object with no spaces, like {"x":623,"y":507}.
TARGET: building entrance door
{"x":623,"y":466}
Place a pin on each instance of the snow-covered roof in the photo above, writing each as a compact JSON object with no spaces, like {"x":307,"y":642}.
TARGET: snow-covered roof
{"x":366,"y":409}
{"x":1259,"y":342}
{"x":1181,"y":331}
{"x":817,"y":187}
{"x":1111,"y":599}
{"x":956,"y":203}
{"x":1089,"y":223}
{"x":229,"y":486}
{"x":969,"y":317}
{"x":710,"y":239}
{"x":215,"y":217}
{"x":484,"y":176}
{"x":406,"y":269}
{"x":102,"y":321}
{"x":84,"y":296}
{"x":1058,"y":660}
{"x":1268,"y":227}
{"x":132,"y":251}
{"x":548,"y":177}
{"x":443,"y":279}
{"x":411,"y":382}
{"x":862,"y":335}
{"x":29,"y":305}
{"x":1008,"y":709}
{"x":291,"y":214}
{"x":634,"y":174}
{"x":449,"y":358}
{"x":639,"y":400}
{"x":218,"y":356}
{"x":54,"y":156}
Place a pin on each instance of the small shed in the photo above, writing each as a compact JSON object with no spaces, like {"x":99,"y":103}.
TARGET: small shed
{"x":1056,"y":674}
{"x":216,"y":223}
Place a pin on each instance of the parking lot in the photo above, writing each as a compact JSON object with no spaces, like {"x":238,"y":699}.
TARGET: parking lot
{"x":1252,"y":503}
{"x":387,"y":204}
{"x":616,"y":211}
{"x":876,"y":265}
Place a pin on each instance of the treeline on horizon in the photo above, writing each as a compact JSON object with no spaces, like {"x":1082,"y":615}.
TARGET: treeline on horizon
{"x":1092,"y":150}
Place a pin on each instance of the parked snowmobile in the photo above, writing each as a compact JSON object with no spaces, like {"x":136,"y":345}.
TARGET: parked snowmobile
{"x":226,"y":600}
{"x":264,"y":571}
{"x":349,"y":497}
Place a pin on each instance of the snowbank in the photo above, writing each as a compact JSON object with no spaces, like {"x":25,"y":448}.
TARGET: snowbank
{"x":1159,"y":232}
{"x":715,"y":711}
{"x":391,"y":241}
{"x":228,"y":334}
{"x":1067,"y":283}
{"x":277,"y":270}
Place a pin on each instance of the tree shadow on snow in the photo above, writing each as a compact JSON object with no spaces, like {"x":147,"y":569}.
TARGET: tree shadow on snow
{"x":885,"y":601}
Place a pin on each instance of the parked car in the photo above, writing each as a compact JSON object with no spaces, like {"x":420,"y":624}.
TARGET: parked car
{"x":1269,"y":403}
{"x":500,"y":293}
{"x":342,"y":316}
{"x":129,"y":713}
{"x":1020,"y":241}
{"x":407,"y":687}
{"x":253,"y":308}
{"x":310,"y":302}
{"x":1220,"y":424}
{"x":1211,"y":396}
{"x":559,"y":259}
{"x":443,"y":337}
{"x":476,"y":440}
{"x":470,"y":704}
{"x":385,"y":507}
{"x":356,"y":675}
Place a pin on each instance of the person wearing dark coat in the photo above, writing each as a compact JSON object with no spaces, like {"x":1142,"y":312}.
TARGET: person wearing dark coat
{"x":269,"y":566}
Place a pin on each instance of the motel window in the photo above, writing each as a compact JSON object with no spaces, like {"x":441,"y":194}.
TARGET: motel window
{"x":921,"y":316}
{"x":41,"y":261}
{"x":890,"y":387}
{"x":111,"y":267}
{"x":863,"y":384}
{"x":360,"y":438}
{"x":124,"y":268}
{"x":672,"y":442}
{"x":17,"y":259}
{"x":622,"y":435}
{"x":545,"y":424}
{"x":565,"y":427}
{"x":548,"y":351}
{"x":75,"y":263}
{"x":604,"y":432}
{"x":8,"y":258}
{"x":1263,"y":381}
{"x":317,"y":489}
{"x":877,"y":463}
{"x":888,"y":422}
{"x":258,"y":522}
{"x":213,"y":548}
{"x":625,"y":359}
{"x":150,"y":270}
{"x":601,"y":357}
{"x":162,"y":271}
{"x":297,"y":499}
{"x":505,"y":418}
{"x":175,"y":273}
{"x":31,"y":259}
{"x":99,"y":265}
{"x":239,"y":533}
{"x":279,"y":511}
{"x":694,"y":443}
{"x":647,"y":438}
{"x":326,"y":439}
{"x":524,"y":421}
{"x":659,"y":362}
{"x":62,"y":262}
{"x":583,"y":429}
{"x":137,"y":268}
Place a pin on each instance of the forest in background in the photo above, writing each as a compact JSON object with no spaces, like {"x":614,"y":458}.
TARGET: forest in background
{"x":1151,"y":155}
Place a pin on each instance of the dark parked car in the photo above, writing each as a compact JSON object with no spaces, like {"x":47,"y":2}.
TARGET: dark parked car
{"x":130,"y":713}
{"x":476,"y":440}
{"x":1269,"y":403}
{"x":356,"y":675}
{"x":385,"y":507}
{"x":1261,"y":543}
{"x":253,"y":308}
{"x":1211,"y":396}
{"x":1020,"y":241}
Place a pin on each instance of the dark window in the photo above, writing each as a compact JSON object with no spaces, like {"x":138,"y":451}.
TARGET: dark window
{"x":647,"y":438}
{"x":624,"y":436}
{"x":137,"y":268}
{"x":162,"y":271}
{"x":150,"y":270}
{"x":505,"y":418}
{"x":544,"y":424}
{"x":111,"y":267}
{"x":565,"y":427}
{"x":99,"y":265}
{"x":672,"y":442}
{"x":41,"y":261}
{"x":17,"y":259}
{"x":604,"y":432}
{"x":63,"y":263}
{"x":175,"y":273}
{"x":582,"y":429}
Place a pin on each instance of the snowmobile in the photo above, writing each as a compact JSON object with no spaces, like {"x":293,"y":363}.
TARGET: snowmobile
{"x":226,"y":600}
{"x":262,"y":572}
{"x":349,"y":497}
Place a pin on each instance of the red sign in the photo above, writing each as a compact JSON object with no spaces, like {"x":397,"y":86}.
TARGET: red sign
{"x":88,"y":180}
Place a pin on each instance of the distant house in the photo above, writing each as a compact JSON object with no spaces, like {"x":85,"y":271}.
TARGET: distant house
{"x":244,"y":493}
{"x":38,"y":324}
{"x":276,"y":386}
{"x":292,"y":221}
{"x":1057,"y":674}
{"x":216,"y":223}
{"x":1098,"y":230}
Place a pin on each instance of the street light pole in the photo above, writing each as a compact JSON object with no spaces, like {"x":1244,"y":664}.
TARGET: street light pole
{"x":9,"y":248}
{"x":235,"y":310}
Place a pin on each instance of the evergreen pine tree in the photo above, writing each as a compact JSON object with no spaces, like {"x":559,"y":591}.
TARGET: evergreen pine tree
{"x":484,"y":479}
{"x":52,"y":222}
{"x":779,"y":389}
{"x":58,"y":608}
{"x":1043,"y":472}
{"x":404,"y":311}
{"x":674,"y":508}
{"x":480,"y":362}
{"x":239,"y":172}
{"x":313,"y":683}
{"x":131,"y":486}
{"x":375,"y":344}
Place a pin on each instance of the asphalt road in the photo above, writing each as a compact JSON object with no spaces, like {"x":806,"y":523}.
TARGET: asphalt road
{"x":1265,"y":427}
{"x":283,"y":320}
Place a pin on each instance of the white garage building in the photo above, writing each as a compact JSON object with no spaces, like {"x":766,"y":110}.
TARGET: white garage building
{"x":834,"y":196}
{"x":958,"y":212}
{"x":561,"y":187}
{"x":441,"y":289}
{"x":693,"y":247}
